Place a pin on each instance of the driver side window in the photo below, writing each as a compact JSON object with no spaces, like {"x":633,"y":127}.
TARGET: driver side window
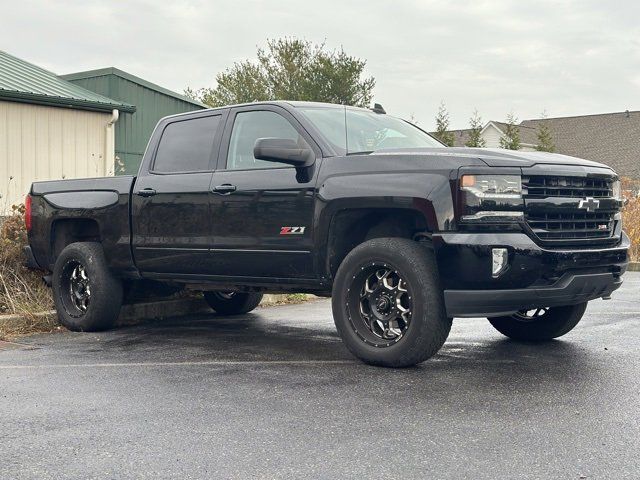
{"x":247,"y":128}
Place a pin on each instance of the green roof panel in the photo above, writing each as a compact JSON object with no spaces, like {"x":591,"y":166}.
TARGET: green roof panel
{"x":101,"y":72}
{"x":21,"y":81}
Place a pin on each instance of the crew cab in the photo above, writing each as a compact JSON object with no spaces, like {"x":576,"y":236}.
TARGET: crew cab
{"x":403,"y":233}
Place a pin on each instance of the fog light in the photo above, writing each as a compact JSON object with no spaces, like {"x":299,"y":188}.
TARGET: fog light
{"x":500,"y":257}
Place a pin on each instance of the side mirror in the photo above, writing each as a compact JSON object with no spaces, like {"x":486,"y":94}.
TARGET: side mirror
{"x":283,"y":150}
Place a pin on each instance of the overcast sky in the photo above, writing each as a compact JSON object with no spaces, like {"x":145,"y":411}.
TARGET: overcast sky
{"x":521,"y":56}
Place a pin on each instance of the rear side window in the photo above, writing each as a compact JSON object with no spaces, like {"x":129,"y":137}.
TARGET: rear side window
{"x":186,"y":146}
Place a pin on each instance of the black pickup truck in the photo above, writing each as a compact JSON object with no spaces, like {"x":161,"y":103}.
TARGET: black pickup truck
{"x":403,"y":233}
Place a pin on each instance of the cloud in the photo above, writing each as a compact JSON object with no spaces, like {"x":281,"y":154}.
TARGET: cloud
{"x":572,"y":57}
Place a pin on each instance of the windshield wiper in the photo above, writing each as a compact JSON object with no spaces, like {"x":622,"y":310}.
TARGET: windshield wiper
{"x":364,"y":152}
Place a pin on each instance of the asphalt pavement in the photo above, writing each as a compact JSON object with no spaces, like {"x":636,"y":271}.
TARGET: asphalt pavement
{"x":274,"y":394}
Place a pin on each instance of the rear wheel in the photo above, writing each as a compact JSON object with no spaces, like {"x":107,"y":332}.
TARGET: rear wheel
{"x":540,"y":324}
{"x":87,"y":295}
{"x":387,"y":303}
{"x":232,"y":303}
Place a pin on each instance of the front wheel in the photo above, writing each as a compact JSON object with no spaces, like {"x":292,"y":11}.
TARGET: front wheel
{"x":387,"y":303}
{"x":87,"y":295}
{"x":232,"y":303}
{"x":540,"y":324}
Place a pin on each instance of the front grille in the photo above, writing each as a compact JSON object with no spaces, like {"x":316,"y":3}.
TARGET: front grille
{"x":567,"y":226}
{"x":543,"y":186}
{"x":552,"y":209}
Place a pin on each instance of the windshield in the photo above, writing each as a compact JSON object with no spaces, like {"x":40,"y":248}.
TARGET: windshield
{"x":354,"y":131}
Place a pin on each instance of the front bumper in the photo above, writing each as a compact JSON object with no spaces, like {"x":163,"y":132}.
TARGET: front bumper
{"x":536,"y":277}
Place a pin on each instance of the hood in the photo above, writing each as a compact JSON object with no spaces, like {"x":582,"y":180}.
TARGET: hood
{"x":499,"y":157}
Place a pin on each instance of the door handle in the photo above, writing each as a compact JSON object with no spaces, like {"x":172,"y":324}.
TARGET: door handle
{"x":224,"y":189}
{"x":147,"y":192}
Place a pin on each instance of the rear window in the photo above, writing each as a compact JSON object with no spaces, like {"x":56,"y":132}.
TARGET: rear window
{"x":186,"y":146}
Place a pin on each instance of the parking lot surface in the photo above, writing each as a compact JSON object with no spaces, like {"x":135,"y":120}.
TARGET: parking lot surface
{"x":274,"y":394}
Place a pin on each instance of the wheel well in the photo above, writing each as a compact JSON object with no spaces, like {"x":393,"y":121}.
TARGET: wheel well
{"x":352,"y":227}
{"x":65,"y":232}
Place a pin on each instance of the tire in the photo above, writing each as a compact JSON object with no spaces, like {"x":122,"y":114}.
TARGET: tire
{"x":545,"y":324}
{"x":232,"y":303}
{"x":97,"y":294}
{"x":376,"y":284}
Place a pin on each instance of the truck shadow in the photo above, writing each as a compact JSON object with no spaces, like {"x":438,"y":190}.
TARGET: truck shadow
{"x":478,"y":363}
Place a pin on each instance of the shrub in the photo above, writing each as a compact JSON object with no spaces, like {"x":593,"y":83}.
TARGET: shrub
{"x":631,"y":216}
{"x":21,"y":290}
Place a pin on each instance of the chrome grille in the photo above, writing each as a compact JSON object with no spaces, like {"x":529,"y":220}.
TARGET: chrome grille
{"x":543,"y":186}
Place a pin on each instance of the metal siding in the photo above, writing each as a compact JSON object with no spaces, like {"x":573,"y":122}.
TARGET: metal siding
{"x":133,"y":130}
{"x":44,"y":143}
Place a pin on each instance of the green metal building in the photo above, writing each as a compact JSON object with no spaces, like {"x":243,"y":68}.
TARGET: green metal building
{"x":152,"y":102}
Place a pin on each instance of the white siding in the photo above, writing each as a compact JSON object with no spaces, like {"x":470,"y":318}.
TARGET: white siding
{"x":47,"y":143}
{"x":492,"y":136}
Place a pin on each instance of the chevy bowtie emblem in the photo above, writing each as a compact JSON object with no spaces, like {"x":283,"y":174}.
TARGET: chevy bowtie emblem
{"x":590,"y":204}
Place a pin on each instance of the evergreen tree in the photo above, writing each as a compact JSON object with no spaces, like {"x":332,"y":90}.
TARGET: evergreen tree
{"x":442,"y":132}
{"x":511,"y":138}
{"x":543,"y":134}
{"x":475,"y":139}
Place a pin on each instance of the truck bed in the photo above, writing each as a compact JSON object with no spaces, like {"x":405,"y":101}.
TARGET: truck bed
{"x":101,"y":205}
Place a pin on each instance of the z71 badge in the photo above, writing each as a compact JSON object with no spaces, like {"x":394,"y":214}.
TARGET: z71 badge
{"x":292,"y":230}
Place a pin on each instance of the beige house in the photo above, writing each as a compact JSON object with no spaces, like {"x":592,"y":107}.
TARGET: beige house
{"x":50,"y":129}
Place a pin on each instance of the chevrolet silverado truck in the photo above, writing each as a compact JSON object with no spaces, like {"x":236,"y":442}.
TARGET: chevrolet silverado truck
{"x":403,"y":233}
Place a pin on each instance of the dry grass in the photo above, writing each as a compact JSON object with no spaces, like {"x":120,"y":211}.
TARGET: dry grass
{"x":22,"y":291}
{"x":286,"y":299}
{"x":631,"y":217}
{"x":24,"y":325}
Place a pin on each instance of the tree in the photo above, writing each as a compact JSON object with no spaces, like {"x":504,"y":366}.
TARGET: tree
{"x":543,"y":134}
{"x":475,"y":139}
{"x":442,"y":126}
{"x":511,"y":138}
{"x":292,"y":69}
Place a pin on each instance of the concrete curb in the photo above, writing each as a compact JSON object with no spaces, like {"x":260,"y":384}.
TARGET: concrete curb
{"x":634,"y":267}
{"x":137,"y":312}
{"x":17,"y":317}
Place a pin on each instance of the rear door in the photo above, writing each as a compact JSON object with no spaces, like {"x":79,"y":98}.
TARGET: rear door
{"x":262,"y":212}
{"x":171,"y":220}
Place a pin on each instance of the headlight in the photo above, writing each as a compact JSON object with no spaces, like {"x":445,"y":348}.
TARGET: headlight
{"x":617,"y":190}
{"x":492,"y":186}
{"x":490,"y":199}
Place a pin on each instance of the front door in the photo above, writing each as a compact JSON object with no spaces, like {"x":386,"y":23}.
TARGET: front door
{"x":170,"y":203}
{"x":262,"y":212}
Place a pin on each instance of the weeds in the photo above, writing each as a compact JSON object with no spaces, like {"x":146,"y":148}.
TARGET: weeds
{"x":22,"y":291}
{"x":631,"y":216}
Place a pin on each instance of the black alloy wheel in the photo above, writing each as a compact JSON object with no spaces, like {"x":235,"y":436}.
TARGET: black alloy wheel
{"x":76,"y":288}
{"x":379,"y":305}
{"x":387,"y":302}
